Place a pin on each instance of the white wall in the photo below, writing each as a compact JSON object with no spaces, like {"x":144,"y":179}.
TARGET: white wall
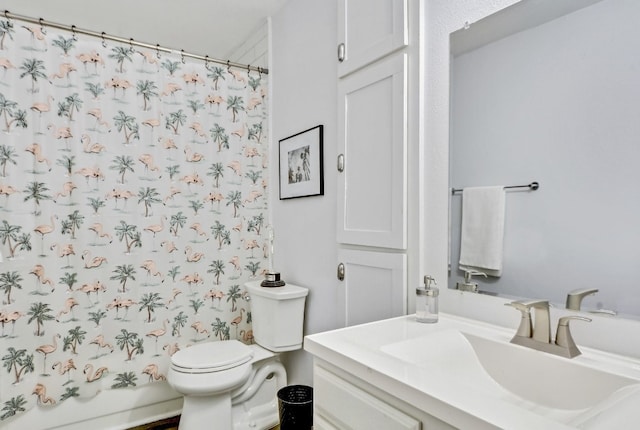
{"x":254,"y":50}
{"x":304,"y":84}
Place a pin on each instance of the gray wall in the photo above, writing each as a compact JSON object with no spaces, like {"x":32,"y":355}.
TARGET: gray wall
{"x":558,"y":104}
{"x":304,"y":80}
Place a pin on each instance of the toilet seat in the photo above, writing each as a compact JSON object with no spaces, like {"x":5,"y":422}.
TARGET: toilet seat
{"x":211,"y":357}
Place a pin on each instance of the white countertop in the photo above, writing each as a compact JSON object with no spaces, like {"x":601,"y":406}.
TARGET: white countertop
{"x":450,"y":397}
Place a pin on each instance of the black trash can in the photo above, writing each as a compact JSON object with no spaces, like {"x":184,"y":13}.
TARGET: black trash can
{"x":295,"y":406}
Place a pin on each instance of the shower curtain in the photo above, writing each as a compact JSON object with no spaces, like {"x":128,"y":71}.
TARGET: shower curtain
{"x":132,"y":211}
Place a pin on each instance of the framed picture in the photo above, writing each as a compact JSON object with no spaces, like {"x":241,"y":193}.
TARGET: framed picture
{"x":301,"y":167}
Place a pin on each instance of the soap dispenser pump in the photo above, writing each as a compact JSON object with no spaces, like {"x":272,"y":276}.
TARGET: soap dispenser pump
{"x":427,"y":301}
{"x":467,"y":285}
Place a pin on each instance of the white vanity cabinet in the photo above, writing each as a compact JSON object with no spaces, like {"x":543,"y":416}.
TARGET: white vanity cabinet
{"x":402,"y":374}
{"x":344,"y":402}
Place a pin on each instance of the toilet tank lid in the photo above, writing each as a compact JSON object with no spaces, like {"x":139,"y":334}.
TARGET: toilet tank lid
{"x":218,"y":355}
{"x":280,"y":293}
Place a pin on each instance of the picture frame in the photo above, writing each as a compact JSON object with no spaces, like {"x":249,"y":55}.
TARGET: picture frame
{"x":301,"y":164}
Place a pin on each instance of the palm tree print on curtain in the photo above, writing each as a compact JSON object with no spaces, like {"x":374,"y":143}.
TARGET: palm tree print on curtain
{"x":132,"y":200}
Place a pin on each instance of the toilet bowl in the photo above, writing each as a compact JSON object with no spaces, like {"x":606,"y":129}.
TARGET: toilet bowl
{"x":230,"y":385}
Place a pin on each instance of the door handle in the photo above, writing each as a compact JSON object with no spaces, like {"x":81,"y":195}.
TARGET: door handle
{"x":341,"y":52}
{"x":341,"y":272}
{"x":341,"y":163}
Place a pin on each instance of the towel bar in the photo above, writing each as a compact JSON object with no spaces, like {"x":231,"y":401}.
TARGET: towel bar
{"x":532,"y":186}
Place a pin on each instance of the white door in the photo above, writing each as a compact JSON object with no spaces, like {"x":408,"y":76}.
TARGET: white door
{"x":372,"y":143}
{"x":373,"y":287}
{"x":369,"y":30}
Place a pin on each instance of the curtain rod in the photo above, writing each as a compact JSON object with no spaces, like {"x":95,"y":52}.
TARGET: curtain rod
{"x":75,"y":30}
{"x":532,"y":186}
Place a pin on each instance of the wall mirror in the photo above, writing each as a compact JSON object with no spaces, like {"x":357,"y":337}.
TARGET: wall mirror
{"x":549,"y":91}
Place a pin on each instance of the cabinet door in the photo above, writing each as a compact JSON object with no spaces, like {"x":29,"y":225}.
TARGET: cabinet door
{"x":340,"y":404}
{"x":374,"y":286}
{"x":320,"y":423}
{"x":372,"y":143}
{"x":368,"y":30}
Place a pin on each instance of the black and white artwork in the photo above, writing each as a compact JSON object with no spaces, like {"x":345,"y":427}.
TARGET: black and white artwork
{"x":301,"y":167}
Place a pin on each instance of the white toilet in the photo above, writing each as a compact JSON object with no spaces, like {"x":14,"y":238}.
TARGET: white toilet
{"x":230,"y":385}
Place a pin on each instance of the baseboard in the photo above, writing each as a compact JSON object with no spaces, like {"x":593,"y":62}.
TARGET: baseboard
{"x":165,"y":424}
{"x":137,"y":417}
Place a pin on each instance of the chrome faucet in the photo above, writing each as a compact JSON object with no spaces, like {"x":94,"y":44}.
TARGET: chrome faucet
{"x":574,"y":298}
{"x":468,"y":284}
{"x":538,"y":336}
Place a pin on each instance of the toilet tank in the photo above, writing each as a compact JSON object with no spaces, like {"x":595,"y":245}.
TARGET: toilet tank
{"x":277,"y":315}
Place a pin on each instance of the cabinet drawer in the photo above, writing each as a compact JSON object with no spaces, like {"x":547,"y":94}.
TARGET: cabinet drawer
{"x":340,"y":404}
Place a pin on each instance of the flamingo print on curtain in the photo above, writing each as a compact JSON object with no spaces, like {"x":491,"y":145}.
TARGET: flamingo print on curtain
{"x":132,"y":211}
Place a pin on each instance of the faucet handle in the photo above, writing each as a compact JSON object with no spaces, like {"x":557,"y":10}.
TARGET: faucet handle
{"x":539,"y":304}
{"x":563,"y":334}
{"x":542,"y":331}
{"x":574,"y":297}
{"x":564,"y":321}
{"x":524,"y":330}
{"x":526,"y":305}
{"x":518,"y":305}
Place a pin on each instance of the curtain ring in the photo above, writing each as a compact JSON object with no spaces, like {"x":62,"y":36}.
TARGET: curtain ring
{"x":104,"y":42}
{"x":182,"y":55}
{"x":73,"y":33}
{"x":131,"y":45}
{"x":6,"y":14}
{"x":228,"y":66}
{"x":158,"y":50}
{"x":40,"y":21}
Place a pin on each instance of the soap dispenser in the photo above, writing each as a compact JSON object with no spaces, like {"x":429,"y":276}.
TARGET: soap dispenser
{"x":427,"y":301}
{"x":467,"y":285}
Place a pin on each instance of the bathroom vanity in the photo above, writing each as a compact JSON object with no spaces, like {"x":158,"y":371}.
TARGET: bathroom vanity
{"x":463,"y":373}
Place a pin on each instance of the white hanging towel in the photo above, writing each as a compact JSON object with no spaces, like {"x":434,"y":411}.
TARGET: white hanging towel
{"x":482,"y":236}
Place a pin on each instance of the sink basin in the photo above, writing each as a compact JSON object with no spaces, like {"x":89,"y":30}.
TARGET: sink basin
{"x":530,"y":379}
{"x":543,"y":378}
{"x":467,"y":373}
